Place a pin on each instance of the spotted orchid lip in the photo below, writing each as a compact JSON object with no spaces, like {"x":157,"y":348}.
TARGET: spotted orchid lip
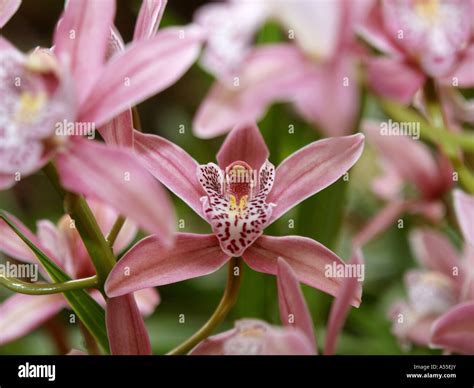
{"x":235,"y":204}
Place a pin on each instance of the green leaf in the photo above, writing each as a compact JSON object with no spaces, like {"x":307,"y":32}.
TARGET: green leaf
{"x":91,"y":314}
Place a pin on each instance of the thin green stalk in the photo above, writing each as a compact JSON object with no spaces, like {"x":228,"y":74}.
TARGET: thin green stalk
{"x":21,"y":287}
{"x":114,"y":232}
{"x":225,"y":305}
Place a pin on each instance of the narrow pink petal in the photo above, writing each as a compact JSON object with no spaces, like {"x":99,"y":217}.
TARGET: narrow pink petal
{"x":124,"y":184}
{"x":172,"y":166}
{"x":119,"y":130}
{"x":143,"y":69}
{"x":147,"y":300}
{"x":380,"y":222}
{"x":464,"y":207}
{"x":410,"y":158}
{"x":150,"y":264}
{"x":81,"y":39}
{"x":20,"y":314}
{"x":394,"y":78}
{"x":125,"y":327}
{"x":269,"y":73}
{"x":310,"y":260}
{"x":7,"y":9}
{"x":434,"y":251}
{"x":245,"y":143}
{"x":350,"y":289}
{"x":293,"y":309}
{"x":149,"y":18}
{"x":312,"y":169}
{"x":454,"y":330}
{"x":12,"y":245}
{"x":57,"y":244}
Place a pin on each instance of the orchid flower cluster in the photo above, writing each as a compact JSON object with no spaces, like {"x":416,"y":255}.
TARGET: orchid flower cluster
{"x":118,"y":240}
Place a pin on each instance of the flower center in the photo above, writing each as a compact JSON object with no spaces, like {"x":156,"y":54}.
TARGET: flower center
{"x":427,"y":9}
{"x":30,"y":107}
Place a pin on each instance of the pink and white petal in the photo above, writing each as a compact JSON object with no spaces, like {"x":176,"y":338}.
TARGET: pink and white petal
{"x":433,"y":211}
{"x":331,"y":97}
{"x":147,"y":300}
{"x":410,"y":158}
{"x":148,"y":19}
{"x":7,"y":9}
{"x":462,"y":75}
{"x":244,"y":143}
{"x":115,"y":44}
{"x":81,"y":39}
{"x":125,"y":327}
{"x":380,"y":222}
{"x":311,"y":169}
{"x":124,"y":184}
{"x":20,"y":314}
{"x":214,"y":345}
{"x":172,"y":166}
{"x":464,"y":207}
{"x":56,"y":243}
{"x":119,"y":130}
{"x":269,"y":73}
{"x":434,"y":251}
{"x":143,"y":69}
{"x":287,"y":341}
{"x":7,"y":181}
{"x":149,"y":264}
{"x":351,"y":287}
{"x":454,"y":330}
{"x":394,"y":78}
{"x":294,"y":311}
{"x":12,"y":245}
{"x":308,"y":259}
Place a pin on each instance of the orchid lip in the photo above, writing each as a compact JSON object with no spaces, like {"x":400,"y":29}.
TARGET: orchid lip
{"x":235,"y":204}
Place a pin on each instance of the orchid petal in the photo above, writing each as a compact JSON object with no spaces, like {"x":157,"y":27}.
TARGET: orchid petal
{"x":7,"y":9}
{"x":150,"y":264}
{"x":123,"y":183}
{"x":464,"y":207}
{"x":454,"y":330}
{"x":244,"y":143}
{"x":434,"y":251}
{"x":270,"y":73}
{"x":309,"y":259}
{"x":119,"y":130}
{"x":172,"y":166}
{"x":312,"y":169}
{"x":143,"y":69}
{"x":81,"y":38}
{"x":149,"y":19}
{"x":147,"y":300}
{"x":293,"y":309}
{"x":125,"y":327}
{"x":20,"y":314}
{"x":349,"y":290}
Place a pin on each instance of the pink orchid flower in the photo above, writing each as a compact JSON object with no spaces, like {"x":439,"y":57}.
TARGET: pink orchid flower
{"x":7,"y":9}
{"x":420,"y":39}
{"x":20,"y":313}
{"x":239,"y":197}
{"x":317,"y":73}
{"x":255,"y":337}
{"x":454,"y":330}
{"x":405,"y":162}
{"x":445,"y":283}
{"x":72,"y":85}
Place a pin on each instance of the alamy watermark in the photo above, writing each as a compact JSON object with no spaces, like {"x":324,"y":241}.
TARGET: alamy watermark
{"x":404,"y":128}
{"x":75,"y":128}
{"x":338,"y":270}
{"x":19,"y":271}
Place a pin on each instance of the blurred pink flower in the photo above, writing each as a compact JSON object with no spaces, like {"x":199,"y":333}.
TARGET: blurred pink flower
{"x":436,"y":291}
{"x":420,"y":39}
{"x":454,"y":330}
{"x":7,"y":9}
{"x":72,"y":85}
{"x":20,"y":313}
{"x":406,"y":163}
{"x":317,"y":73}
{"x":255,"y":337}
{"x":239,"y":198}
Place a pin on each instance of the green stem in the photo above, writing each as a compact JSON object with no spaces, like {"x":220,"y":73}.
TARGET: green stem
{"x":98,"y":248}
{"x":21,"y":287}
{"x":225,"y":305}
{"x":114,"y":232}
